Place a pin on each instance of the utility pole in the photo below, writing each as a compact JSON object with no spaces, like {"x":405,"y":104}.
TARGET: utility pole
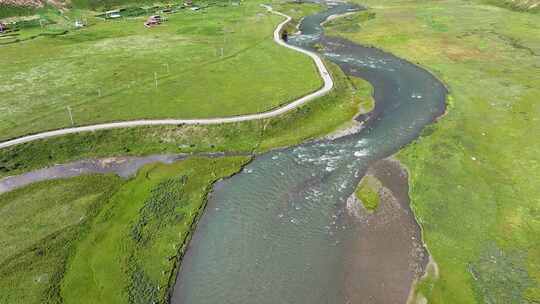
{"x":70,"y":115}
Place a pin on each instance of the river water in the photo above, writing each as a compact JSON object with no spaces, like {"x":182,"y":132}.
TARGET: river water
{"x":279,"y":231}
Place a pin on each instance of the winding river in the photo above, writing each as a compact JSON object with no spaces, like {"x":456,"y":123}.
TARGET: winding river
{"x":280,"y":231}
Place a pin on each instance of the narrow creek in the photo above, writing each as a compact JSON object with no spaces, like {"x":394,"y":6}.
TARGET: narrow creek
{"x":281,"y":231}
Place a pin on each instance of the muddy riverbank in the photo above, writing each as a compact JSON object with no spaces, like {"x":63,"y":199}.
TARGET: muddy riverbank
{"x":388,"y":255}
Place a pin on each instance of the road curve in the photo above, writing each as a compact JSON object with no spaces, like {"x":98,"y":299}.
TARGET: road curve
{"x":327,"y":87}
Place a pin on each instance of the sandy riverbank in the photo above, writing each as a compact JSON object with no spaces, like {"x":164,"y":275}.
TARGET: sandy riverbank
{"x":388,"y":255}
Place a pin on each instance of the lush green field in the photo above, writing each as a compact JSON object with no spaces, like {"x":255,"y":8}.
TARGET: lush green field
{"x":40,"y":225}
{"x":108,"y":71}
{"x":474,"y":175}
{"x":312,"y":120}
{"x":98,"y":238}
{"x":350,"y":97}
{"x":12,"y":10}
{"x":130,"y":252}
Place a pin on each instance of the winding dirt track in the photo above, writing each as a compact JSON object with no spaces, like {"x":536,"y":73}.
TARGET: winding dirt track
{"x":327,"y":87}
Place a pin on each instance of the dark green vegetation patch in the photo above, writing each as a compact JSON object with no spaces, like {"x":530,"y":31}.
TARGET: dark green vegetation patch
{"x":163,"y":208}
{"x":368,"y":192}
{"x":160,"y":209}
{"x":500,"y":276}
{"x":7,"y":10}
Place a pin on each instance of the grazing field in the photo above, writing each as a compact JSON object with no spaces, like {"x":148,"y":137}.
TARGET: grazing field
{"x":196,"y":64}
{"x":101,"y":239}
{"x":40,"y":225}
{"x":474,"y":175}
{"x":130,"y":253}
{"x":315,"y":119}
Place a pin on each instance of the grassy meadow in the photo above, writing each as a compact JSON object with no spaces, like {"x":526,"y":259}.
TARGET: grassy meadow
{"x":196,"y":64}
{"x":102,"y":239}
{"x":315,"y":119}
{"x":130,"y":254}
{"x":474,"y":174}
{"x":8,"y":10}
{"x":40,"y":225}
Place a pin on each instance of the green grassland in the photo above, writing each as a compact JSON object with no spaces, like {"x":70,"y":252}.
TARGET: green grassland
{"x":106,"y":71}
{"x":101,"y":239}
{"x":13,"y":10}
{"x":474,"y":175}
{"x":367,"y":192}
{"x":130,"y":252}
{"x":40,"y":225}
{"x":313,"y":120}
